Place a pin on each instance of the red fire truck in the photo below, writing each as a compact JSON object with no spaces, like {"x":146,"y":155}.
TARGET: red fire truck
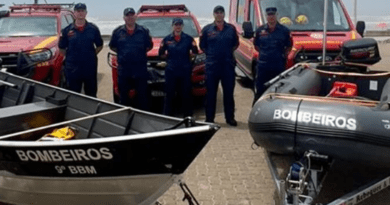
{"x":35,"y":28}
{"x":305,"y":20}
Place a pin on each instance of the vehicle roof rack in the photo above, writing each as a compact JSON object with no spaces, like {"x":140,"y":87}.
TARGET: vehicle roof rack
{"x":41,"y":7}
{"x":164,"y":8}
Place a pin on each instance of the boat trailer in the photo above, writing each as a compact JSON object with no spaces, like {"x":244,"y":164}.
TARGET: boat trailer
{"x":305,"y":179}
{"x":188,"y":196}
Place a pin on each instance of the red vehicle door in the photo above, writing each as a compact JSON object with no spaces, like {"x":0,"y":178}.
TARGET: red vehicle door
{"x":246,"y":55}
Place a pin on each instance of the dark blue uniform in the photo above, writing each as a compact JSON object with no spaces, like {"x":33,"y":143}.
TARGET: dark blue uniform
{"x":81,"y":60}
{"x":220,"y":65}
{"x":272,"y":50}
{"x":178,"y":70}
{"x":132,"y":62}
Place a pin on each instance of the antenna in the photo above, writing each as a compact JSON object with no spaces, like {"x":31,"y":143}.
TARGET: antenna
{"x":355,"y":11}
{"x":325,"y":28}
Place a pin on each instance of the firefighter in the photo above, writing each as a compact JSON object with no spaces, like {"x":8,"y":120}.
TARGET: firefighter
{"x":131,"y":42}
{"x":178,"y":48}
{"x":273,"y":42}
{"x":80,"y":43}
{"x":219,"y":40}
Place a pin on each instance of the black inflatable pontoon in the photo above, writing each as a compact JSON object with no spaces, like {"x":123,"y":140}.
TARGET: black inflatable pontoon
{"x":340,"y":109}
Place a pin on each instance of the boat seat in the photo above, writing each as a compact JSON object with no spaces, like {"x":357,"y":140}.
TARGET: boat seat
{"x":16,"y":95}
{"x":30,"y":115}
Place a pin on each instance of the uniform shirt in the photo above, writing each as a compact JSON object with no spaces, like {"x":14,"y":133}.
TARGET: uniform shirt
{"x":80,"y":44}
{"x":272,"y":45}
{"x":219,"y":45}
{"x":131,"y":48}
{"x":178,"y":58}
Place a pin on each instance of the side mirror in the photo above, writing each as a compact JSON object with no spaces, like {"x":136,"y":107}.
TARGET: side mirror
{"x":248,"y":29}
{"x":4,"y":13}
{"x":360,"y":27}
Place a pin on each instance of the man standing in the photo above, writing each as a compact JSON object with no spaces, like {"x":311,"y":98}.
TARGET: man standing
{"x":218,"y":41}
{"x":131,"y":42}
{"x":273,"y":42}
{"x":80,"y":43}
{"x":178,"y":47}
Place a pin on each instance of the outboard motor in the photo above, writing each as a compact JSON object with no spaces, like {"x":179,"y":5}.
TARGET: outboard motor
{"x":362,"y":51}
{"x":356,"y":56}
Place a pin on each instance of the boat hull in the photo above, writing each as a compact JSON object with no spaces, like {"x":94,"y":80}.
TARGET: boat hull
{"x":118,"y":155}
{"x":142,"y":190}
{"x":165,"y":152}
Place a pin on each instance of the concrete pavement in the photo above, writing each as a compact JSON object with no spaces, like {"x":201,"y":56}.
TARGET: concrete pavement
{"x":228,"y":171}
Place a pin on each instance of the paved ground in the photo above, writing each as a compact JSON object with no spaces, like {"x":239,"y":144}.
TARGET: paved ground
{"x":228,"y":171}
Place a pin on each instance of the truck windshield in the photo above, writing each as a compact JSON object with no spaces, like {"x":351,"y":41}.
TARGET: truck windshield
{"x":308,"y":15}
{"x":28,"y":26}
{"x":161,"y":27}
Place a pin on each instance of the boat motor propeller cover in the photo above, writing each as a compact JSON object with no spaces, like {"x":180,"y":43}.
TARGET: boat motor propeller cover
{"x":364,"y":51}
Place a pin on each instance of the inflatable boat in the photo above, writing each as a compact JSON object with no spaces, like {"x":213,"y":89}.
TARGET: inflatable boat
{"x":339,"y":109}
{"x":61,"y":147}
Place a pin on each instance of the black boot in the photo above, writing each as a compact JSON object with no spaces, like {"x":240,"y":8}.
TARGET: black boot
{"x":209,"y":120}
{"x":231,"y":122}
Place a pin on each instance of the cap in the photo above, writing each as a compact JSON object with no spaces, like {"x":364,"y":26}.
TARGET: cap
{"x":271,"y":10}
{"x":177,"y":21}
{"x":79,"y":6}
{"x":219,"y":8}
{"x":128,"y":11}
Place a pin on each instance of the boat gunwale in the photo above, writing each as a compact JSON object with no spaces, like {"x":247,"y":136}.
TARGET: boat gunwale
{"x":380,"y":74}
{"x":203,"y":128}
{"x":313,"y":66}
{"x":368,"y":103}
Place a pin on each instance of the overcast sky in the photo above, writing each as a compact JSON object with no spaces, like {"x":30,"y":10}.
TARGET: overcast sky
{"x":112,"y":9}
